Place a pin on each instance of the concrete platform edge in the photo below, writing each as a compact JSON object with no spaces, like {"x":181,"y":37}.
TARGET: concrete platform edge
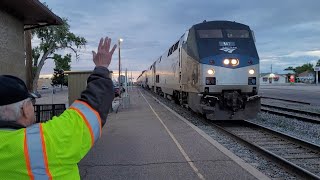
{"x":256,"y":173}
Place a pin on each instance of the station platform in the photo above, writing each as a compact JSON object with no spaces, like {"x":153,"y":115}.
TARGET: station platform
{"x":148,"y":141}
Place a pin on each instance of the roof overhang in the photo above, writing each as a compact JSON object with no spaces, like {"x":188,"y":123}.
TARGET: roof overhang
{"x":31,"y":12}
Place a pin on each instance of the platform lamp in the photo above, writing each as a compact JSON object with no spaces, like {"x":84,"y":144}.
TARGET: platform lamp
{"x":119,"y":78}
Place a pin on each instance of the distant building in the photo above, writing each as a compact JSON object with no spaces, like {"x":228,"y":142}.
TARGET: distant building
{"x":273,"y":78}
{"x":306,"y":77}
{"x":16,"y":16}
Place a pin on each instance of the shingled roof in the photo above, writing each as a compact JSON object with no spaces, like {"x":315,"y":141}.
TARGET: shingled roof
{"x":31,"y":12}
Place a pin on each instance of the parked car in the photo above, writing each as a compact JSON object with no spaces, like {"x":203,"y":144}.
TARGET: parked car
{"x":44,"y":87}
{"x":37,"y":94}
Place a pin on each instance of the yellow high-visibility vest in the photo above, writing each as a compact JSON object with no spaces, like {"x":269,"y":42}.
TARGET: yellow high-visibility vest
{"x":50,"y":150}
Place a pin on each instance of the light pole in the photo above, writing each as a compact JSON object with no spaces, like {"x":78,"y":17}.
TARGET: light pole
{"x":119,"y":78}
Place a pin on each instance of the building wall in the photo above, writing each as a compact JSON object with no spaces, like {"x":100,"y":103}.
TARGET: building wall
{"x":77,"y":82}
{"x":281,"y":80}
{"x":12,"y":58}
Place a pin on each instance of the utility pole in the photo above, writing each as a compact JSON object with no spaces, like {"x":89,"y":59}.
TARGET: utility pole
{"x":126,"y":81}
{"x":119,"y":65}
{"x":131,"y":81}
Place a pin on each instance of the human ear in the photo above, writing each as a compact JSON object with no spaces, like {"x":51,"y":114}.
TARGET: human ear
{"x":25,"y":110}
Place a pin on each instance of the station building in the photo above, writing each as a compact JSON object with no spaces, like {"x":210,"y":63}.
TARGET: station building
{"x":17,"y":16}
{"x":307,"y":77}
{"x":273,"y":78}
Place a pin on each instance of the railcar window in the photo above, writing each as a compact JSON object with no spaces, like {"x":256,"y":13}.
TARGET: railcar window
{"x":176,"y":46}
{"x":237,"y":33}
{"x":212,"y":33}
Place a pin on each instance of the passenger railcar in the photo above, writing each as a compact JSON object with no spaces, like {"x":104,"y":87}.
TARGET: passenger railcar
{"x":213,"y":68}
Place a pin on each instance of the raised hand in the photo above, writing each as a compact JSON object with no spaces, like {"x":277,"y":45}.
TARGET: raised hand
{"x":103,"y":56}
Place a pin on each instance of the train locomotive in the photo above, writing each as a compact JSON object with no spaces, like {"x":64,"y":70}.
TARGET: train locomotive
{"x":212,"y":69}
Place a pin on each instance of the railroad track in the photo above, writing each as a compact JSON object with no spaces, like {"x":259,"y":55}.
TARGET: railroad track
{"x":301,"y":157}
{"x":287,"y":100}
{"x":292,"y":113}
{"x":295,"y":155}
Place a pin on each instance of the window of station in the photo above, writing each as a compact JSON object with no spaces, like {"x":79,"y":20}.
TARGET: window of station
{"x":237,"y":33}
{"x":212,"y":33}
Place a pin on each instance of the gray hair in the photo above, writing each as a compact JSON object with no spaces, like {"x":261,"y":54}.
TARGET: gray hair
{"x":11,"y":112}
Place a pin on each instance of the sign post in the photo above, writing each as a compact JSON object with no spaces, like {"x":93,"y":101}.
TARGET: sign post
{"x":317,"y":70}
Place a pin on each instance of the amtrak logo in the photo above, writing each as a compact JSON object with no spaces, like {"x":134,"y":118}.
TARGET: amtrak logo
{"x":228,"y":49}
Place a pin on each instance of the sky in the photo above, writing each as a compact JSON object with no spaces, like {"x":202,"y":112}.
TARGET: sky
{"x":287,"y":32}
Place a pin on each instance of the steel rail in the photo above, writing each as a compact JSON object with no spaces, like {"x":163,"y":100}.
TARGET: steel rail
{"x":278,"y":159}
{"x":293,"y":168}
{"x":296,"y":116}
{"x":292,"y":110}
{"x":288,"y":100}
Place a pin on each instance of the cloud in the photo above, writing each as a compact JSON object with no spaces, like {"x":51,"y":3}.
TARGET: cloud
{"x":313,"y":53}
{"x":287,"y":32}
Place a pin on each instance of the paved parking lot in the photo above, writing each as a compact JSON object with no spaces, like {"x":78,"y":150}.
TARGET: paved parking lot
{"x":59,"y":97}
{"x":309,"y":94}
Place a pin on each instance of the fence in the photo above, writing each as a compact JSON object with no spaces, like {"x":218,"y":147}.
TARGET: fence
{"x":44,"y":112}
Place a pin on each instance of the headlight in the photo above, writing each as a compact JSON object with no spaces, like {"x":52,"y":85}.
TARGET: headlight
{"x":234,"y":62}
{"x":251,"y":71}
{"x":211,"y":71}
{"x":226,"y":61}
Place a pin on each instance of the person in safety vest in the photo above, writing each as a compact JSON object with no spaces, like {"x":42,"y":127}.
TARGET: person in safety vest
{"x":51,"y":150}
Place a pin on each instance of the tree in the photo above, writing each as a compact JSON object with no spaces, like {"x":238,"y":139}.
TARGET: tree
{"x":52,"y":39}
{"x":289,"y":68}
{"x":318,"y":63}
{"x":62,"y":64}
{"x":303,"y":68}
{"x":58,"y":77}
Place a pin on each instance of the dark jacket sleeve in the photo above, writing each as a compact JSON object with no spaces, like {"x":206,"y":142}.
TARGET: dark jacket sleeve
{"x":99,"y":92}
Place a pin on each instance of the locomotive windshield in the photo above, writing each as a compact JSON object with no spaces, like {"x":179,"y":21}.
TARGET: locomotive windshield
{"x":237,"y":33}
{"x":211,"y":42}
{"x":213,"y":33}
{"x":217,"y":33}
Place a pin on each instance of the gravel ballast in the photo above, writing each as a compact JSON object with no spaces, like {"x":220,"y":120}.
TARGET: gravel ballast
{"x":303,"y":107}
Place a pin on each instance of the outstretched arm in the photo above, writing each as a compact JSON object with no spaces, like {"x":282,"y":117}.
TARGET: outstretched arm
{"x":99,"y":92}
{"x":71,"y":135}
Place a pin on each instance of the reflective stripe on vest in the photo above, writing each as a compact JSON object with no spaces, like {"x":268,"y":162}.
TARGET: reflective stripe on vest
{"x":91,"y":118}
{"x":35,"y":153}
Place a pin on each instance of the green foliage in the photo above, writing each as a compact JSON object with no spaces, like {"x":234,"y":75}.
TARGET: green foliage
{"x":303,"y":68}
{"x":52,"y":39}
{"x":59,"y":78}
{"x":35,"y":55}
{"x":58,"y":37}
{"x":62,"y":64}
{"x":318,"y":63}
{"x":289,"y":68}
